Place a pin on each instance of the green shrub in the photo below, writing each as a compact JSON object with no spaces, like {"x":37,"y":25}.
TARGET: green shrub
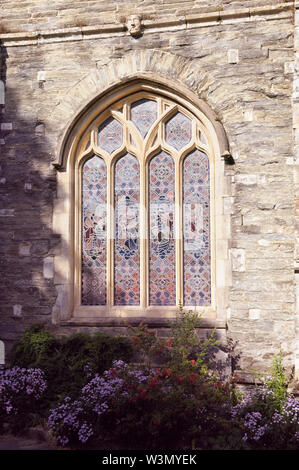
{"x":68,"y":362}
{"x":277,"y":382}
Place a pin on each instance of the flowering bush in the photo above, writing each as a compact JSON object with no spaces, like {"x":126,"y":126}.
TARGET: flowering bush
{"x":170,"y":410}
{"x":135,"y":409}
{"x":69,"y":422}
{"x":74,"y":422}
{"x":264,"y":427}
{"x":172,"y":398}
{"x":21,"y":391}
{"x":145,"y":406}
{"x":268,"y":416}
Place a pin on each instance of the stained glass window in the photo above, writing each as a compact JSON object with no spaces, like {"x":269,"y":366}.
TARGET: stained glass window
{"x":196,"y":196}
{"x":162,"y":243}
{"x":94,"y":209}
{"x":145,"y":220}
{"x":126,"y":244}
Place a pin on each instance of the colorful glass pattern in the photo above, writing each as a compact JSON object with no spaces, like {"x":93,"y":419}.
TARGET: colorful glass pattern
{"x":126,"y":245}
{"x":143,"y":114}
{"x":196,"y":194}
{"x":162,"y":289}
{"x":178,"y":131}
{"x":110,"y":135}
{"x":94,"y":232}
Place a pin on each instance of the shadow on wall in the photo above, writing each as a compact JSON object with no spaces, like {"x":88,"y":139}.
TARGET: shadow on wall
{"x":27,"y":241}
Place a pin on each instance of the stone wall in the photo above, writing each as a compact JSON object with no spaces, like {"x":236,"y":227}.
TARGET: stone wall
{"x":238,"y":57}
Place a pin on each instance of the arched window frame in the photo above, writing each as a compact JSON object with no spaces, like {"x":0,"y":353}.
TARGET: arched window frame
{"x":144,"y":151}
{"x":66,"y":215}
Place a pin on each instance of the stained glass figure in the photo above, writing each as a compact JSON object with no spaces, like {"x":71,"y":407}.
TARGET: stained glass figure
{"x":126,"y":245}
{"x":196,"y":197}
{"x":94,"y":232}
{"x":162,"y":289}
{"x":110,"y":135}
{"x":143,"y":114}
{"x":178,"y":131}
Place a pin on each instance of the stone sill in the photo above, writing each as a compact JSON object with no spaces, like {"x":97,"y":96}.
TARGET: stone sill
{"x":151,"y":322}
{"x":167,"y":23}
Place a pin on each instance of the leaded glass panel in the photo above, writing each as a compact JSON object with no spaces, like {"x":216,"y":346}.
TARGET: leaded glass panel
{"x":196,"y":196}
{"x":126,"y":245}
{"x":110,"y":135}
{"x":143,"y":114}
{"x":178,"y":131}
{"x":162,"y":289}
{"x":94,"y":184}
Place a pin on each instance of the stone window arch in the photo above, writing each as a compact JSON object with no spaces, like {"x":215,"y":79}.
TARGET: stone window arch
{"x":140,"y":181}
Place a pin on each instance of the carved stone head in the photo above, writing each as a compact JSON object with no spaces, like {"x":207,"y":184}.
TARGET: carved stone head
{"x":134,"y":25}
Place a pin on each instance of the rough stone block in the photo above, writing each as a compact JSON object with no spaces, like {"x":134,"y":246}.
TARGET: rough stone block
{"x":2,"y":93}
{"x":25,"y":249}
{"x":233,"y":56}
{"x":254,"y":314}
{"x":48,"y":269}
{"x":6,"y":126}
{"x":7,"y":212}
{"x":2,"y":353}
{"x":237,"y":259}
{"x":17,"y":311}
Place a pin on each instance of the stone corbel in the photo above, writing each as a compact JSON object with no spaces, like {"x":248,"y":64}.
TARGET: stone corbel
{"x":228,"y":158}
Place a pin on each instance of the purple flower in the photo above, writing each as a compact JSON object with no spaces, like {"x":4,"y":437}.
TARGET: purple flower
{"x":20,"y":384}
{"x":77,"y":420}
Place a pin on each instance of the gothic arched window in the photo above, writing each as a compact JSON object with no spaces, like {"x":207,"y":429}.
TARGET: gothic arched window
{"x":144,"y":215}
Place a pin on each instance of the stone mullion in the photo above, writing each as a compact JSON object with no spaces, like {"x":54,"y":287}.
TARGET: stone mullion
{"x":110,"y":236}
{"x":143,"y":215}
{"x":179,"y":261}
